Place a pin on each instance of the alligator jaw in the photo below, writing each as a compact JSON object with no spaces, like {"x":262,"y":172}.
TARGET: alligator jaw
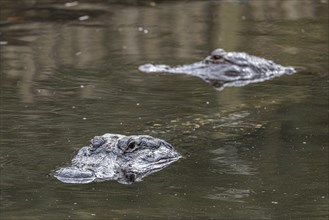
{"x":74,"y":175}
{"x":132,"y":175}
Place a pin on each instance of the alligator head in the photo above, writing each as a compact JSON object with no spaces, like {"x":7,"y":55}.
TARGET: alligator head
{"x":126,"y":159}
{"x":223,"y":69}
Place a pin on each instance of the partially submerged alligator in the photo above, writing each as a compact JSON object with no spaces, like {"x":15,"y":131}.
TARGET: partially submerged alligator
{"x":126,"y":159}
{"x":223,"y":69}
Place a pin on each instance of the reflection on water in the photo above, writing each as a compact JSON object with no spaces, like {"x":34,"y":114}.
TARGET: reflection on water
{"x":230,"y":195}
{"x":69,"y":72}
{"x":230,"y":163}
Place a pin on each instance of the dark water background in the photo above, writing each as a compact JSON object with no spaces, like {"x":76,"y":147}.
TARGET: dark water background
{"x":69,"y":72}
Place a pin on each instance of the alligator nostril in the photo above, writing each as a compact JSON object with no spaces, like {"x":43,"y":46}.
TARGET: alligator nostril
{"x":97,"y":141}
{"x":131,"y":177}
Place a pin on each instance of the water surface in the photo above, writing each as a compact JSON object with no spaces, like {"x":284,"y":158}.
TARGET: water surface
{"x":69,"y":73}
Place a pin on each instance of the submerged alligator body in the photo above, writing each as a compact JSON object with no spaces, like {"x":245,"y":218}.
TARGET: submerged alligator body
{"x":223,"y":69}
{"x":126,"y":159}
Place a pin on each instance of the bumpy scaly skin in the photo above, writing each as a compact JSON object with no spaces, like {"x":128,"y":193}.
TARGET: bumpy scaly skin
{"x":223,"y":69}
{"x":126,"y":159}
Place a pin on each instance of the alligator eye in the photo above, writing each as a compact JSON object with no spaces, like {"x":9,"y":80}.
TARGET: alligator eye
{"x":131,"y":145}
{"x":216,"y":57}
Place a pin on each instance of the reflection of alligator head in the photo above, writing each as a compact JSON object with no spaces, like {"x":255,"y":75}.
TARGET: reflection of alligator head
{"x":223,"y":69}
{"x":126,"y":159}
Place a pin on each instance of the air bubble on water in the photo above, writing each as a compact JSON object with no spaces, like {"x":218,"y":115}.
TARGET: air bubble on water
{"x":83,"y":18}
{"x":82,"y":86}
{"x":84,"y":118}
{"x":140,"y":29}
{"x":137,"y":104}
{"x":71,"y":4}
{"x":273,"y":202}
{"x":3,"y":42}
{"x":78,"y":53}
{"x":146,"y":31}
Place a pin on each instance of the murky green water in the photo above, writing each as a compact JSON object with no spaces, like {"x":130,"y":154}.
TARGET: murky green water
{"x":69,"y":72}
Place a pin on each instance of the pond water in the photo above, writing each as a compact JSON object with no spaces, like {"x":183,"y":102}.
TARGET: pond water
{"x":69,"y":72}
